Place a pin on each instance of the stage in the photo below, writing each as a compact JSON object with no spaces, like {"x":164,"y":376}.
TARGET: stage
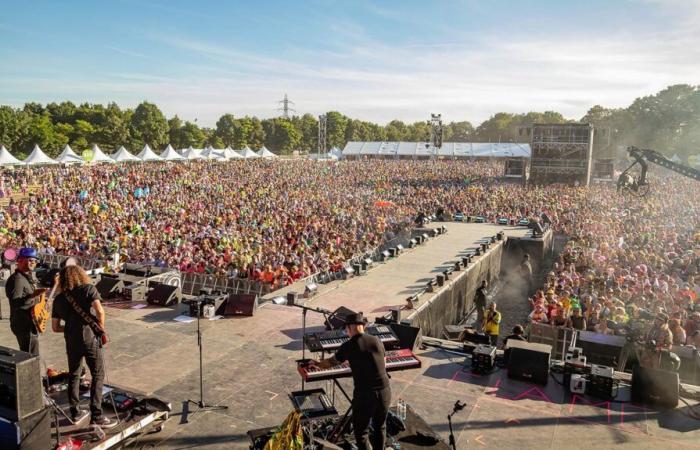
{"x":249,"y":365}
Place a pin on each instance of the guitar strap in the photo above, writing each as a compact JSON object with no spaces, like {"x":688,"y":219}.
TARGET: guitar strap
{"x":87,"y":317}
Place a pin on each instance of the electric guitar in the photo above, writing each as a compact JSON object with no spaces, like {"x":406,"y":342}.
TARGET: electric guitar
{"x":41,"y":311}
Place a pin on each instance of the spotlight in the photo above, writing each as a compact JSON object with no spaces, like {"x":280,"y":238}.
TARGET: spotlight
{"x":311,"y":290}
{"x":385,"y":255}
{"x":457,"y":266}
{"x":347,"y":272}
{"x":412,"y":243}
{"x":399,"y":248}
{"x":425,"y":238}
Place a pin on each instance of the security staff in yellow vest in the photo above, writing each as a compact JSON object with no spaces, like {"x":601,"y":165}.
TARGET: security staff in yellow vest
{"x":492,"y":319}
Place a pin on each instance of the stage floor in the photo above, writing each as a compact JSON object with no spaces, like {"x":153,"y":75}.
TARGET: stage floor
{"x":249,"y":365}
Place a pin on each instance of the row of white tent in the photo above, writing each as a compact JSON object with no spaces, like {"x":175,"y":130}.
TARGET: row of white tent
{"x":68,"y":156}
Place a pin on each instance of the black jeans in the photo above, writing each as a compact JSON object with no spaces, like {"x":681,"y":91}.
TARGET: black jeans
{"x":92,"y":352}
{"x":374,"y":406}
{"x":27,"y":339}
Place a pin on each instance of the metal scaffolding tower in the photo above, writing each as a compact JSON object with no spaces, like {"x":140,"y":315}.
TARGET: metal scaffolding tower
{"x":322,"y":129}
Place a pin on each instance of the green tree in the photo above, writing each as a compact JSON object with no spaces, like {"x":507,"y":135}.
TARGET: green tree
{"x":281,"y":136}
{"x":13,"y":124}
{"x":256,"y":138}
{"x":335,"y":129}
{"x":396,"y":131}
{"x":226,"y":129}
{"x":148,"y":126}
{"x":191,"y":135}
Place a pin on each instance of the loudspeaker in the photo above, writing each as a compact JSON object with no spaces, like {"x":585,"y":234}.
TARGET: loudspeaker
{"x":291,"y":298}
{"x":655,"y":387}
{"x":20,"y":384}
{"x":241,"y":305}
{"x":163,"y":294}
{"x":602,"y":349}
{"x":336,"y":321}
{"x":528,"y":361}
{"x":30,"y":433}
{"x":217,"y":301}
{"x":409,"y":337}
{"x":109,"y":287}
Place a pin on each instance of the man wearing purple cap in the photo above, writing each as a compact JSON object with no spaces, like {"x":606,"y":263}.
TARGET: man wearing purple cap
{"x":22,"y":293}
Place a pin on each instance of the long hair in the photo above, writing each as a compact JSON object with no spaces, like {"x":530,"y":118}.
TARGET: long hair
{"x":71,"y":277}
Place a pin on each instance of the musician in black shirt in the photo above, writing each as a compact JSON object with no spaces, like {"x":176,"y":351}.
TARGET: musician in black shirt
{"x":372,"y":393}
{"x":81,"y":341}
{"x":22,"y":293}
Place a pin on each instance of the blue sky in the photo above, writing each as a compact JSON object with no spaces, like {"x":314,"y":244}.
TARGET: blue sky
{"x":371,"y":60}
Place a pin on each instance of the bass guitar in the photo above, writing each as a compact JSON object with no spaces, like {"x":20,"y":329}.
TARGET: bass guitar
{"x":41,"y":311}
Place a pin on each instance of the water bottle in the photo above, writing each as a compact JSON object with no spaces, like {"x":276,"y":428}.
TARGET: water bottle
{"x":401,"y":409}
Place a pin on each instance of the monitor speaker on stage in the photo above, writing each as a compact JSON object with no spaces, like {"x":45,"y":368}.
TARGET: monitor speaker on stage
{"x":109,"y":287}
{"x":20,"y":384}
{"x":163,"y":294}
{"x":241,"y":305}
{"x":529,"y":361}
{"x":655,"y":387}
{"x":336,"y":321}
{"x":409,"y":337}
{"x":32,"y":432}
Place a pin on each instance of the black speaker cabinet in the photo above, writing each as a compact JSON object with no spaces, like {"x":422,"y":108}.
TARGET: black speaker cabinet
{"x":292,"y":298}
{"x":20,"y":384}
{"x":336,"y":321}
{"x":163,"y":294}
{"x":528,"y":361}
{"x":31,"y":433}
{"x":109,"y":287}
{"x":241,"y":305}
{"x":409,"y":337}
{"x":655,"y":387}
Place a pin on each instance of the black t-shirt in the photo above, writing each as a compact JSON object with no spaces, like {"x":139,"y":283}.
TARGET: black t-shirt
{"x":18,"y":289}
{"x":480,"y":298}
{"x":365,"y":353}
{"x":76,"y":328}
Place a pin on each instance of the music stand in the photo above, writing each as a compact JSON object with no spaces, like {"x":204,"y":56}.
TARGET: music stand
{"x":202,"y":406}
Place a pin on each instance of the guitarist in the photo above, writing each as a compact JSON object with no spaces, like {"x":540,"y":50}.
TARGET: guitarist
{"x":83,"y":332}
{"x":22,"y":293}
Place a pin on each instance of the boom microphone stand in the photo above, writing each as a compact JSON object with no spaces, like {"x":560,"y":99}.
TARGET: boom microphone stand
{"x":200,"y":404}
{"x":457,"y":407}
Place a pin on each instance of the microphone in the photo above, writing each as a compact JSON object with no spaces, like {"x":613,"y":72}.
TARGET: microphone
{"x":458,"y":406}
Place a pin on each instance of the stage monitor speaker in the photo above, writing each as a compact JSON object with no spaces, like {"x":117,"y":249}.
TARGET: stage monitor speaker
{"x":655,"y":387}
{"x":292,"y":298}
{"x":163,"y":294}
{"x":109,"y":287}
{"x":601,"y":349}
{"x":336,"y":321}
{"x":409,"y":337}
{"x":31,"y":433}
{"x":241,"y":305}
{"x":20,"y":384}
{"x":529,"y":361}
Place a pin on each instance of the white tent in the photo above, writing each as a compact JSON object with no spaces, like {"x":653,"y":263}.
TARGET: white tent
{"x":248,"y":153}
{"x":211,"y":153}
{"x":6,"y":158}
{"x":148,"y":155}
{"x":229,"y":153}
{"x":68,"y":156}
{"x":123,"y":155}
{"x":336,"y":153}
{"x":38,"y":157}
{"x":265,"y":153}
{"x":192,"y":153}
{"x":99,"y":156}
{"x":169,"y":154}
{"x":323,"y":156}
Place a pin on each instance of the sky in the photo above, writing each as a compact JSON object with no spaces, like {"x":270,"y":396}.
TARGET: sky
{"x":370,"y":60}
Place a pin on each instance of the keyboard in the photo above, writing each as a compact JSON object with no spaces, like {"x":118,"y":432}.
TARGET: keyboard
{"x":395,"y":360}
{"x":331,"y":340}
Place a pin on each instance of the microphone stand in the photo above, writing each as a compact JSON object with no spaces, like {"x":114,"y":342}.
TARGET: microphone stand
{"x":305,"y":309}
{"x":457,"y":407}
{"x":201,"y":405}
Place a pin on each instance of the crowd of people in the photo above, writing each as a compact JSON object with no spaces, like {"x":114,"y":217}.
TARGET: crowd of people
{"x":269,"y":221}
{"x":631,"y":266}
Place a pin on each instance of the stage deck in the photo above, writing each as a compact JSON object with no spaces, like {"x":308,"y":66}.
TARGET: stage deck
{"x":249,"y":365}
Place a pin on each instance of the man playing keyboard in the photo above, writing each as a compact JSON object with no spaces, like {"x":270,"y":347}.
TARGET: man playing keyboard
{"x":372,"y":393}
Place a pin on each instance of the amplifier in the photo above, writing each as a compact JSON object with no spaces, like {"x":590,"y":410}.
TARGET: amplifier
{"x":135,"y":292}
{"x":529,"y":361}
{"x":600,"y":382}
{"x":20,"y":384}
{"x":483,"y":358}
{"x":217,"y":301}
{"x":32,"y":432}
{"x":655,"y":387}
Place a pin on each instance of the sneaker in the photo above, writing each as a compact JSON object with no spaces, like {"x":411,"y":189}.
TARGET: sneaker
{"x":103,"y":422}
{"x":78,"y":415}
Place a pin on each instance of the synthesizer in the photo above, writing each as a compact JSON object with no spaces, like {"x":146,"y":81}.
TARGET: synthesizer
{"x":395,"y":360}
{"x":331,"y":340}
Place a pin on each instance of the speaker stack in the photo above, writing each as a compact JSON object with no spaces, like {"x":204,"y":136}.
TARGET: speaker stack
{"x":241,"y":305}
{"x":163,"y":294}
{"x":24,"y":420}
{"x":655,"y":387}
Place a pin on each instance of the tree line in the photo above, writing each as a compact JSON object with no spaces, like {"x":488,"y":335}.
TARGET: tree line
{"x":668,"y":121}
